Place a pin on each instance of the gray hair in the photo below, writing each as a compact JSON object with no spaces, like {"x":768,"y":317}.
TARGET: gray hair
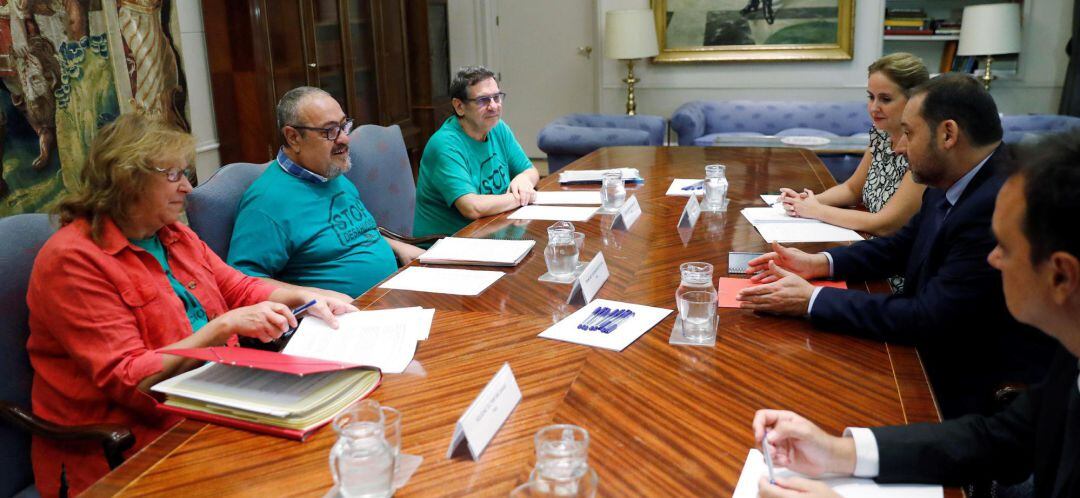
{"x":468,"y":76}
{"x":288,"y":108}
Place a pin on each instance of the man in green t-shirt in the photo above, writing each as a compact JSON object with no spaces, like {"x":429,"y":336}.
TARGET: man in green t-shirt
{"x":473,"y":166}
{"x":302,"y":222}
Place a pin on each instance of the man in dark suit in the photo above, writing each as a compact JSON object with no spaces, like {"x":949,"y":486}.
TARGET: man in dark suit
{"x":952,"y":307}
{"x":1038,"y":254}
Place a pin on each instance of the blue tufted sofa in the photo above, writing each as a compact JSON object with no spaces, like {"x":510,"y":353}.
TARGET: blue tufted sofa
{"x":572,"y":136}
{"x":1025,"y":126}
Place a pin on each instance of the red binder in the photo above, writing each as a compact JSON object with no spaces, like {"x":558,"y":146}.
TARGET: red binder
{"x":262,"y":360}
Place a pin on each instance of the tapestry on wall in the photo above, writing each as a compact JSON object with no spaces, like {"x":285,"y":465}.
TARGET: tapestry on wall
{"x":68,"y":67}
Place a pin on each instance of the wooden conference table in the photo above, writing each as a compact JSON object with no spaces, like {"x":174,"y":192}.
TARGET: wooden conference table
{"x":663,"y":420}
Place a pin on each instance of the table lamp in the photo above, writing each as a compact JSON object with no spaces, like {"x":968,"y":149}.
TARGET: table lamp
{"x":988,"y":30}
{"x":629,"y":35}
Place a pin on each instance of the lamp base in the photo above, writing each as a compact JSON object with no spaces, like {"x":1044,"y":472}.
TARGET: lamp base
{"x":987,"y":77}
{"x":631,"y":104}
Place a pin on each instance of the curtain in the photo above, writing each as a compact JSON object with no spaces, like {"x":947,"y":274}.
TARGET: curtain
{"x":1070,"y":92}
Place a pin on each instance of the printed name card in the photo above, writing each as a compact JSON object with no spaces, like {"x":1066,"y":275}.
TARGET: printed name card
{"x":690,"y":213}
{"x":589,"y":282}
{"x":628,"y":214}
{"x":487,"y":413}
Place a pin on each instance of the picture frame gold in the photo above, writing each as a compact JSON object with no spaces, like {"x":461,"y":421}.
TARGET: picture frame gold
{"x":842,"y":49}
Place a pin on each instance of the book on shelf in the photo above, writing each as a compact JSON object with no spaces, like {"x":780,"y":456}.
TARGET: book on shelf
{"x":908,"y":32}
{"x":895,"y":12}
{"x":906,"y":23}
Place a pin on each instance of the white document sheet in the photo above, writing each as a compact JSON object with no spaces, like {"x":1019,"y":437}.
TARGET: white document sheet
{"x":678,"y":185}
{"x":443,"y":280}
{"x":805,"y":232}
{"x":553,"y":213}
{"x":484,"y":252}
{"x":772,"y":214}
{"x":596,"y":175}
{"x":645,"y":318}
{"x":848,"y":487}
{"x":417,"y":319}
{"x":569,"y":197}
{"x":770,"y":199}
{"x":385,"y":339}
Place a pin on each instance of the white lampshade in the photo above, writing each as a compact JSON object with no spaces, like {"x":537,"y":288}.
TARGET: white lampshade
{"x":990,"y":29}
{"x":630,"y":34}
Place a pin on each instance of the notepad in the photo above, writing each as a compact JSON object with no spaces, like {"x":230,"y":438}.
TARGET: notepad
{"x":553,"y":213}
{"x":443,"y":280}
{"x":569,"y":197}
{"x":738,"y":262}
{"x":481,"y":252}
{"x":848,"y":487}
{"x":597,"y":175}
{"x":775,"y":225}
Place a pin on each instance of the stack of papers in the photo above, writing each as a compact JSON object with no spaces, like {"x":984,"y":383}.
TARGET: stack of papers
{"x":597,"y":175}
{"x":570,"y":197}
{"x":644,"y":318}
{"x":776,"y":226}
{"x":380,"y":338}
{"x":483,"y":252}
{"x":553,"y":213}
{"x":443,"y":280}
{"x":848,"y":487}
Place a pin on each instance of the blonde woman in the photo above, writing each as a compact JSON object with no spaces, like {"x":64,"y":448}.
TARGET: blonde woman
{"x":121,"y":280}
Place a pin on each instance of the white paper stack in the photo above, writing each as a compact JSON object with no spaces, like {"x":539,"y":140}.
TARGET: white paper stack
{"x":596,"y":175}
{"x":848,"y":487}
{"x":480,"y":252}
{"x":775,"y":225}
{"x":443,"y":280}
{"x":569,"y":197}
{"x":553,"y":213}
{"x":380,"y":338}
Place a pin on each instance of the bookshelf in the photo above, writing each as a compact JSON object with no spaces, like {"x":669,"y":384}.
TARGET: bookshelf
{"x":934,"y":49}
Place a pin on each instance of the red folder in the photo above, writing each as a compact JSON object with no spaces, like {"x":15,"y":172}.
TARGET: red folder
{"x":262,"y":360}
{"x":727,"y":288}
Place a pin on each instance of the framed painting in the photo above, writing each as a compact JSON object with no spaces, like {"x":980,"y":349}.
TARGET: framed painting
{"x":754,"y":30}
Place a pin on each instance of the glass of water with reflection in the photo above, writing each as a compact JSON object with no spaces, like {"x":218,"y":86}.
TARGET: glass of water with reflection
{"x":561,"y":253}
{"x":716,"y":187}
{"x":696,"y":301}
{"x":612,"y":191}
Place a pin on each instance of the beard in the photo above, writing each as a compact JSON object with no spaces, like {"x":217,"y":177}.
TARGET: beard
{"x":932,"y":170}
{"x":336,"y":170}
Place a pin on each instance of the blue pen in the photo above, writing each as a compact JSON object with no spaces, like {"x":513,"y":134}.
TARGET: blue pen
{"x":609,"y":328}
{"x":695,"y":186}
{"x":768,"y":459}
{"x":597,"y":314}
{"x":613,"y":317}
{"x":595,"y":325}
{"x":300,"y":310}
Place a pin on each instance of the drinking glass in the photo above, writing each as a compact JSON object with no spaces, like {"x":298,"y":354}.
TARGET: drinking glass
{"x":716,"y":186}
{"x":392,"y":431}
{"x":612,"y":192}
{"x":562,"y":465}
{"x":561,"y":253}
{"x":696,"y":301}
{"x":361,"y":461}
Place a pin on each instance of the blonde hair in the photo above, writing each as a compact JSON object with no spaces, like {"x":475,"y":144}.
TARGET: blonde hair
{"x":121,"y":161}
{"x":902,"y":68}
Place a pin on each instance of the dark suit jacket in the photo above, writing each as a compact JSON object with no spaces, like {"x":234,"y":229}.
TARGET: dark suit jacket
{"x":952,"y":307}
{"x":1039,"y":432}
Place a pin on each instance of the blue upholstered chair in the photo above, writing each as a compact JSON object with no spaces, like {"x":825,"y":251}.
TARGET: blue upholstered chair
{"x":1029,"y":126}
{"x":383,"y":175}
{"x":211,"y":208}
{"x":572,"y":136}
{"x":23,"y":236}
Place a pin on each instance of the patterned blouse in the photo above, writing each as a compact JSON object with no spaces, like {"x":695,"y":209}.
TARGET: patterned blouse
{"x":886,"y":170}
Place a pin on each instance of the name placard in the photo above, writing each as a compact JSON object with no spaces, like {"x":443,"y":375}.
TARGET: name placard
{"x":487,"y":413}
{"x":690,"y":213}
{"x":628,"y":214}
{"x":589,"y":282}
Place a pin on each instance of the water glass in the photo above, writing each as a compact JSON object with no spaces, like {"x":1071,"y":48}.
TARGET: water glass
{"x":392,"y":431}
{"x":562,"y":465}
{"x":361,"y":461}
{"x":561,"y":253}
{"x":716,"y":186}
{"x":696,"y":301}
{"x":579,"y":241}
{"x":612,"y":191}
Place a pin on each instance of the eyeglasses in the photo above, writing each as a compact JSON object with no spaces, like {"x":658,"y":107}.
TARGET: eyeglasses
{"x":489,"y":99}
{"x":331,"y":133}
{"x":174,"y":174}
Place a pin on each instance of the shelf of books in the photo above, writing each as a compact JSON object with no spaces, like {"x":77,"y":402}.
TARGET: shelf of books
{"x":931,"y":30}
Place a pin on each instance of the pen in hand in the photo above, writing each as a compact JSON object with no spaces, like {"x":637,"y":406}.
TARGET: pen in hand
{"x":768,"y":458}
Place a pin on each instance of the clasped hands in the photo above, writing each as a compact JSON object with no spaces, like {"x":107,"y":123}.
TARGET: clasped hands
{"x":800,"y":204}
{"x":782,"y":281}
{"x":797,"y":444}
{"x":523,"y":190}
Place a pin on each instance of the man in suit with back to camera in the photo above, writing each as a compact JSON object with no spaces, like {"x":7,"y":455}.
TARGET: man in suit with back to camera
{"x":952,"y":307}
{"x":1038,"y":254}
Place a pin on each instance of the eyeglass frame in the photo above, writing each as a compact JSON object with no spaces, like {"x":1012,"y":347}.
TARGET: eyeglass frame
{"x":489,"y":99}
{"x":346,"y":125}
{"x":174,"y":174}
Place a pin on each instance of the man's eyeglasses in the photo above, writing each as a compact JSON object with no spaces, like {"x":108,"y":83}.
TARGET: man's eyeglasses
{"x":174,"y":174}
{"x":489,"y":99}
{"x":331,"y":133}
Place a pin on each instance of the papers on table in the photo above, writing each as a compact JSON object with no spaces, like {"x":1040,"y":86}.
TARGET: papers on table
{"x":443,"y":280}
{"x":727,"y":288}
{"x":685,"y":187}
{"x":553,"y":213}
{"x":776,"y":226}
{"x":381,"y":338}
{"x":644,"y":318}
{"x":848,"y":487}
{"x":569,"y":197}
{"x":483,"y":252}
{"x":770,"y":199}
{"x":596,"y":175}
